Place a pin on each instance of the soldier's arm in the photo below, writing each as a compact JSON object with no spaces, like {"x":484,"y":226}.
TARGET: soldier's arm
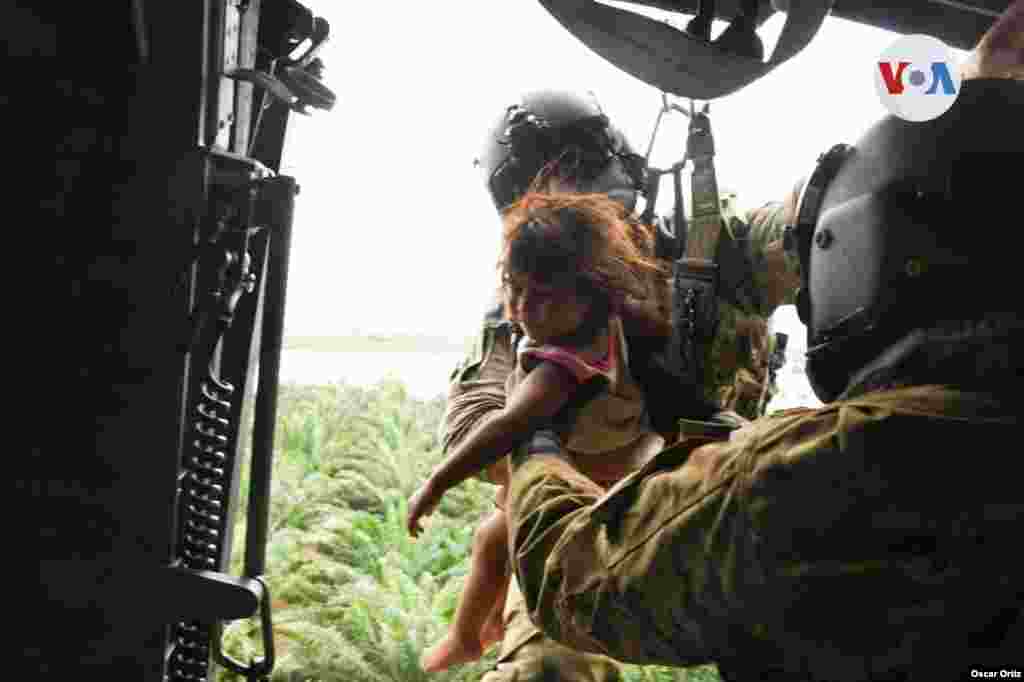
{"x":1000,"y":52}
{"x":477,"y":386}
{"x":584,"y":584}
{"x":476,"y":392}
{"x":544,"y":391}
{"x":652,"y":572}
{"x":776,"y":271}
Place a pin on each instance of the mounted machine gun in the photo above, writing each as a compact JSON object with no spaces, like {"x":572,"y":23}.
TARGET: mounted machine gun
{"x":168,"y":224}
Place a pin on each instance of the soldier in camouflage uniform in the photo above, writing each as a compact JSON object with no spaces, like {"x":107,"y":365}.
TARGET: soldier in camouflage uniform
{"x":738,"y":367}
{"x":858,"y":541}
{"x":477,"y":386}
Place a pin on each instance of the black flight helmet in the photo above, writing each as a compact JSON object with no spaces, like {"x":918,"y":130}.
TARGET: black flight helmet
{"x":908,"y":228}
{"x":565,"y":134}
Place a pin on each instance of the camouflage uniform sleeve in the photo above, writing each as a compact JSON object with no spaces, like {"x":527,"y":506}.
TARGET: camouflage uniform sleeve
{"x":776,"y":271}
{"x":477,"y":386}
{"x":634,"y":576}
{"x":629,"y":574}
{"x":801,"y":529}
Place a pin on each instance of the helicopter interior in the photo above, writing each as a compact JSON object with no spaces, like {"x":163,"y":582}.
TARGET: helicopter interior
{"x":690,"y":63}
{"x":133,"y":151}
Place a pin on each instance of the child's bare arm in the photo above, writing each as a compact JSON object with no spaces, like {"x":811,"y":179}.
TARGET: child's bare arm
{"x":543,"y":392}
{"x":540,"y":396}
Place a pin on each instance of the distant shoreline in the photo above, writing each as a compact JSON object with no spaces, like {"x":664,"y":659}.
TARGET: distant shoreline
{"x":404,"y":343}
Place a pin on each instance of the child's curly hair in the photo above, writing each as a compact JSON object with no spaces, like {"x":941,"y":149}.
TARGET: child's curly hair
{"x":584,"y":240}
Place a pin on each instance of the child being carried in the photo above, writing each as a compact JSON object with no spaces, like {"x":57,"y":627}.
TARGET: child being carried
{"x":571,"y":266}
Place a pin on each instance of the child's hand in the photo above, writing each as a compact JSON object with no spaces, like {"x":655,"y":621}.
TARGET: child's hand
{"x":423,"y":503}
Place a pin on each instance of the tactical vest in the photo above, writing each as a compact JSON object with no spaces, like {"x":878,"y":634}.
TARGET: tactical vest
{"x":735,"y":353}
{"x":715,"y":344}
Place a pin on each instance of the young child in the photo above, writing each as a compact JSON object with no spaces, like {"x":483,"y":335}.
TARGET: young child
{"x":571,"y":266}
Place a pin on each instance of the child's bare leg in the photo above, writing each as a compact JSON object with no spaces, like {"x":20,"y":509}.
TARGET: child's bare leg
{"x":483,"y":587}
{"x":493,"y":630}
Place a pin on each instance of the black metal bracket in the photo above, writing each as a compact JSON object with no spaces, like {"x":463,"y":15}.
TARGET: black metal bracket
{"x":243,"y":199}
{"x":257,"y":668}
{"x":231,"y":193}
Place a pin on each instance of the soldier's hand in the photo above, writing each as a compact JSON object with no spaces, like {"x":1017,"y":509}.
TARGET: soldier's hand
{"x":742,"y":435}
{"x":1000,"y":52}
{"x":423,"y":503}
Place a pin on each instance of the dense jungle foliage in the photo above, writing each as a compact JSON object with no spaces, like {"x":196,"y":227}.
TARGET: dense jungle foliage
{"x":355,"y":598}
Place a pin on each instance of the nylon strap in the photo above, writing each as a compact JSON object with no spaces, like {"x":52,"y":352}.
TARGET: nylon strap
{"x":695,"y":274}
{"x":706,"y":223}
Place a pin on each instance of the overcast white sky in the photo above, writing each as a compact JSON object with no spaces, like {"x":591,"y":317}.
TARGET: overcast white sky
{"x":393,"y":229}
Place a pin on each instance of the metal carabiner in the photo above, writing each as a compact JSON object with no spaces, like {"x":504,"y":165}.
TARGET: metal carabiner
{"x":259,"y":669}
{"x":668,"y":107}
{"x":654,"y":174}
{"x":676,"y":107}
